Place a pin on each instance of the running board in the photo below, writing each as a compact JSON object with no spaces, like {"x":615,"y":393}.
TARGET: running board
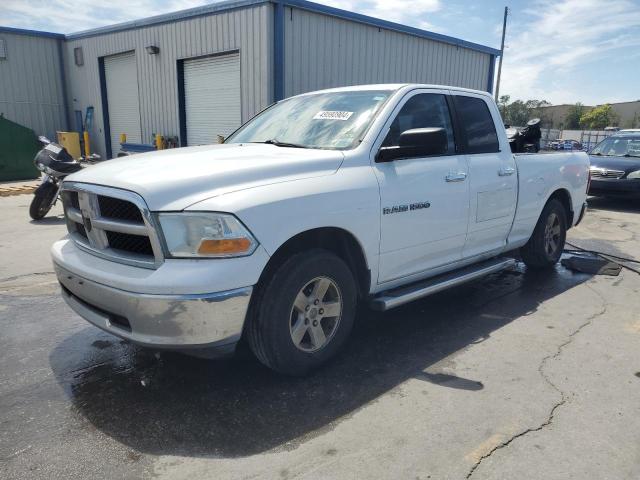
{"x":401,"y":295}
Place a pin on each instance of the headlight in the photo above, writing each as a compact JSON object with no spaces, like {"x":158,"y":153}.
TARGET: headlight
{"x":203,"y":234}
{"x":633,"y":175}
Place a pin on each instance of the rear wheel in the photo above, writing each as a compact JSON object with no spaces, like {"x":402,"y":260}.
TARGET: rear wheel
{"x":544,"y":248}
{"x":42,"y":200}
{"x":304,"y":313}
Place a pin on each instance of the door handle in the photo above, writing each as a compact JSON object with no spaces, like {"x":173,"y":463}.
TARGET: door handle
{"x":456,"y":177}
{"x":506,"y":171}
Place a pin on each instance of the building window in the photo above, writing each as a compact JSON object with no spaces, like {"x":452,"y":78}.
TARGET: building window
{"x":3,"y":49}
{"x":78,"y":56}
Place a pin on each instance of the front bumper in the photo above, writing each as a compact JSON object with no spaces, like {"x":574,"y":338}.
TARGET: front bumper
{"x":159,"y":321}
{"x":171,"y":307}
{"x":615,"y":187}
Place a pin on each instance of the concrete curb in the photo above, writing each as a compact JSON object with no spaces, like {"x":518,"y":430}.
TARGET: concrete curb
{"x":8,"y":191}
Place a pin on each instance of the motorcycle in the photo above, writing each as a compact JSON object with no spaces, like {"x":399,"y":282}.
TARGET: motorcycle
{"x":527,"y":139}
{"x":55,"y":163}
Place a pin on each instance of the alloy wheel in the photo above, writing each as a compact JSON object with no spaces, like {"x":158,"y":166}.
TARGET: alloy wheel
{"x":315,"y":314}
{"x":552,"y":233}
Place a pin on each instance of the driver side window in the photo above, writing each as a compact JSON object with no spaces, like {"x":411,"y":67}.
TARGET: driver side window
{"x":424,"y":110}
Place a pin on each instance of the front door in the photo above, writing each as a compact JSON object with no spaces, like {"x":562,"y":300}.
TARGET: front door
{"x":425,"y":201}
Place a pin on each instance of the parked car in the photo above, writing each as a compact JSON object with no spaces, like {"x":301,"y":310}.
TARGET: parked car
{"x":565,"y":144}
{"x":376,"y":194}
{"x":615,"y":165}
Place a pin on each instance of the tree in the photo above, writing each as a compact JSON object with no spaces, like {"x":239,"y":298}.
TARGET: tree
{"x":599,"y":118}
{"x":503,"y":104}
{"x":573,"y":116}
{"x":518,"y":113}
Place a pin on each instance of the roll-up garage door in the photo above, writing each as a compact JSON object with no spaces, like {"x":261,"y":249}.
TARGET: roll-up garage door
{"x":121,"y":77}
{"x":211,"y":97}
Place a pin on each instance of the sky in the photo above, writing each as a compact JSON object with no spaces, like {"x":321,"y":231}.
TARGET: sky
{"x":562,"y":51}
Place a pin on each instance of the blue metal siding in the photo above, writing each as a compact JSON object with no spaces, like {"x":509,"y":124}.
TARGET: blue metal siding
{"x":324,"y":51}
{"x":32,"y":82}
{"x":31,"y":33}
{"x":397,"y":27}
{"x":278,"y":51}
{"x":492,"y":68}
{"x":247,"y":30}
{"x":301,"y":4}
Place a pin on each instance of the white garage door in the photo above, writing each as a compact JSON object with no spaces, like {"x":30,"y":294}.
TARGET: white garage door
{"x":211,"y":98}
{"x":121,"y":77}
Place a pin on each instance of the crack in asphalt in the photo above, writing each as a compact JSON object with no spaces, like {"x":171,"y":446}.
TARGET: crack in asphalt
{"x":563,"y":395}
{"x":18,"y":277}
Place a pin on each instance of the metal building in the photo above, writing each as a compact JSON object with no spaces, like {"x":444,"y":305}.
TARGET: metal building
{"x":32,"y":83}
{"x":201,"y":72}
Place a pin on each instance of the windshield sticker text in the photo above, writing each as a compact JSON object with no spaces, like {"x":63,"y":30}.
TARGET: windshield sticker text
{"x":332,"y":115}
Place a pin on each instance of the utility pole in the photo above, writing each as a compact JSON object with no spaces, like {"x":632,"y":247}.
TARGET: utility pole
{"x":504,"y":31}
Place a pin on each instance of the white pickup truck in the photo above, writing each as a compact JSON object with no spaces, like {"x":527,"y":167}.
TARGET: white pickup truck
{"x":380,"y":194}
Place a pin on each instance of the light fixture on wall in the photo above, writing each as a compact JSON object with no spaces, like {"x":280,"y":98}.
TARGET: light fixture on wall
{"x":152,"y":50}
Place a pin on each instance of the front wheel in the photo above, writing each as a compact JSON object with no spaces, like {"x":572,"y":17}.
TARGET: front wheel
{"x":42,"y":200}
{"x":544,"y":248}
{"x":304,"y":313}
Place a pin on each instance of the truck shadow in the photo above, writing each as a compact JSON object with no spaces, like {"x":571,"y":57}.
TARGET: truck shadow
{"x":178,"y":405}
{"x":52,"y":220}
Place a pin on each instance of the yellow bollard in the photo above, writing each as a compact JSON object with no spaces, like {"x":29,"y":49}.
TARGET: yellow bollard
{"x":87,"y":148}
{"x":123,"y":138}
{"x":159,"y":143}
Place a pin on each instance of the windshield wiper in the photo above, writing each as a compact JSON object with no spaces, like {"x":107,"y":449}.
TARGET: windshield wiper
{"x":278,"y":143}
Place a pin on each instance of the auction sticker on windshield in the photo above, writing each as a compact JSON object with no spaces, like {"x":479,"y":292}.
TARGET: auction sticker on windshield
{"x":332,"y":115}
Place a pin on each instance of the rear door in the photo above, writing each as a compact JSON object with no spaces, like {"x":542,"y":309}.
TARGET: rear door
{"x":493,"y":179}
{"x":425,"y":201}
{"x":211,"y":98}
{"x":121,"y":78}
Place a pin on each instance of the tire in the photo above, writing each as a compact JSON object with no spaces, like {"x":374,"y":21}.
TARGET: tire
{"x":544,"y":248}
{"x":42,"y":199}
{"x":283,"y":327}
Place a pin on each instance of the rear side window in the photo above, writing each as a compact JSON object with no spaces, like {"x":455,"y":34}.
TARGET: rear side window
{"x":477,"y":125}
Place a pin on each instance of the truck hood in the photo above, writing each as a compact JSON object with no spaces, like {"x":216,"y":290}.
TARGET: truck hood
{"x":174,"y":179}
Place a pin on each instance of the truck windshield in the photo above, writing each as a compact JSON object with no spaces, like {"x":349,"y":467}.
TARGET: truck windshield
{"x":622,"y":146}
{"x":334,"y":121}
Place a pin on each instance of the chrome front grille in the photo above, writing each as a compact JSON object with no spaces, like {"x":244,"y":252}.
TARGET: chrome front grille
{"x":597,"y":172}
{"x":111,"y":223}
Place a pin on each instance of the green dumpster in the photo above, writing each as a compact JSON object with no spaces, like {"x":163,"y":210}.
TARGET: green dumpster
{"x":18,"y":147}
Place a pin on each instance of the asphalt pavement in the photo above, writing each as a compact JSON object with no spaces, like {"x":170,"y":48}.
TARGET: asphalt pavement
{"x":522,"y":375}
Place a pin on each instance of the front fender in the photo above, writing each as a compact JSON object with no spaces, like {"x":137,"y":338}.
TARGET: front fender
{"x":348,"y":200}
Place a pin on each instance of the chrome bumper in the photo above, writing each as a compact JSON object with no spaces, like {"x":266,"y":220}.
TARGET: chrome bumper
{"x":159,"y":321}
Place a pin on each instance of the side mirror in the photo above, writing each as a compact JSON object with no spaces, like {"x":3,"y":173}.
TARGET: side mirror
{"x":415,"y":143}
